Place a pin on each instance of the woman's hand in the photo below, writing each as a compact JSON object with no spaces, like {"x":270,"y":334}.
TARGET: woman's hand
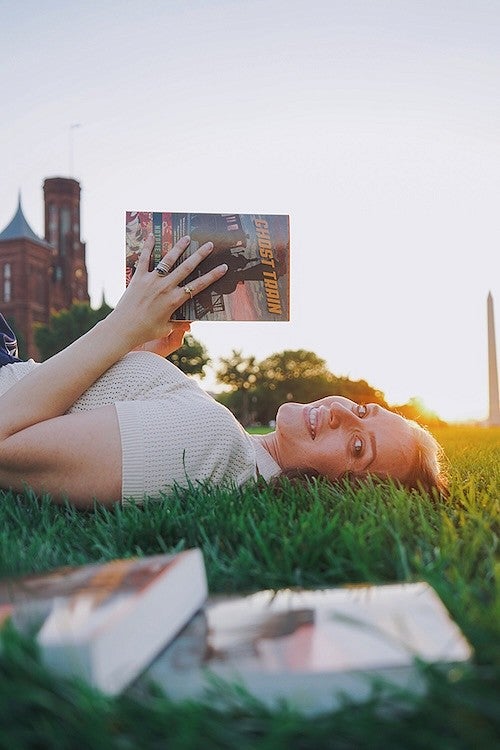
{"x":169,"y":343}
{"x":144,"y":311}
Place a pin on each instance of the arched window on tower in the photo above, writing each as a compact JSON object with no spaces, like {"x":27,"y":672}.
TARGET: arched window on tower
{"x":53,"y":226}
{"x":7,"y":283}
{"x":40,"y":287}
{"x":64,"y":231}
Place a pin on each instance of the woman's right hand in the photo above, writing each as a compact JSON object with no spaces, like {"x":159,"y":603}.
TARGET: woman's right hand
{"x":143,"y":313}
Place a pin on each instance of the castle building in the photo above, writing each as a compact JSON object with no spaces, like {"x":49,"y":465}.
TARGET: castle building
{"x":39,"y":276}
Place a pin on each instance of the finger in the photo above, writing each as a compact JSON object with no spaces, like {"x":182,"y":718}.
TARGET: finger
{"x":201,"y":283}
{"x":145,"y":254}
{"x":170,"y":257}
{"x":187,"y":266}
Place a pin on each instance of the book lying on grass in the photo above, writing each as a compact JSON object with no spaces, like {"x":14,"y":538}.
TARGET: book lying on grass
{"x":310,"y":648}
{"x":255,"y":247}
{"x":106,"y":622}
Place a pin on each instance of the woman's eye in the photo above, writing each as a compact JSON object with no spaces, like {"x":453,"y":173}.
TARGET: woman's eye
{"x":357,"y":446}
{"x":362,"y":409}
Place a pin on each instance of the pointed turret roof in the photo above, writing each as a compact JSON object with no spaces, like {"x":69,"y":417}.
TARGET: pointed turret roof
{"x":19,"y":229}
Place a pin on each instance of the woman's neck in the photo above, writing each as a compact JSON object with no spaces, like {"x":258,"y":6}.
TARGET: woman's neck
{"x":267,"y":466}
{"x":268,"y":441}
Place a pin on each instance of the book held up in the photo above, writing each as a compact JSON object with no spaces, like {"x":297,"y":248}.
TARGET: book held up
{"x":255,"y":247}
{"x":106,"y":622}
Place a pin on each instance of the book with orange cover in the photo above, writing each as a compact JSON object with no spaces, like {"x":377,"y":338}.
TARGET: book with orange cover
{"x":105,"y":622}
{"x":255,"y":247}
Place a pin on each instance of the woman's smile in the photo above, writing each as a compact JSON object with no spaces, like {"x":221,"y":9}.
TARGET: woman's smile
{"x":311,"y":417}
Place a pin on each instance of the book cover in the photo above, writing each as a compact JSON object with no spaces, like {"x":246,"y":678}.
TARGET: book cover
{"x":256,"y":248}
{"x":312,"y":647}
{"x":105,"y":622}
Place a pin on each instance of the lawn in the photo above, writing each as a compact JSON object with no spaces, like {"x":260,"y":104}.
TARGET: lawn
{"x":253,"y":538}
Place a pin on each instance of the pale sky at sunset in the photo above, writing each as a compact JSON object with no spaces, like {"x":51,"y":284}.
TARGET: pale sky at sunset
{"x":374,"y":123}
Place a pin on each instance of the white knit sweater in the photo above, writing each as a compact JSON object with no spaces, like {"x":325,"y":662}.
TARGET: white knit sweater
{"x":172,"y":432}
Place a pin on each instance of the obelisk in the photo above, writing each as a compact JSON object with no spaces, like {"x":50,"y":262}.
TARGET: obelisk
{"x":494,"y":415}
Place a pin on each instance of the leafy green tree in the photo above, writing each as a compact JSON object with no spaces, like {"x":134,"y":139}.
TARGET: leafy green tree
{"x":66,"y":326}
{"x":291,"y":375}
{"x":294,"y":365}
{"x":191,"y":358}
{"x":240,"y":374}
{"x":256,"y":389}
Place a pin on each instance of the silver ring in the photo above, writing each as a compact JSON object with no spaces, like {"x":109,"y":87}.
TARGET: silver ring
{"x":188,"y":290}
{"x":162,"y":268}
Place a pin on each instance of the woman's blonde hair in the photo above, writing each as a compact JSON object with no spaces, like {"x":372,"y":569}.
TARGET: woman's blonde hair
{"x":427,"y":471}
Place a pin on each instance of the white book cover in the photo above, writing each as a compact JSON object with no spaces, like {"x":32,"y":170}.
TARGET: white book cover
{"x":310,"y":647}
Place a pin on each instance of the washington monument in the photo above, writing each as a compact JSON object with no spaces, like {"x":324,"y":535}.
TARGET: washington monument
{"x":494,"y":414}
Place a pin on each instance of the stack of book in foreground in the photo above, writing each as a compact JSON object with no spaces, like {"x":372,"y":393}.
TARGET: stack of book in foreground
{"x":108,"y":623}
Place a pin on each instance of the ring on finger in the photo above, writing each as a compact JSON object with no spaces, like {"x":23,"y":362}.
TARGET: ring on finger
{"x":163,"y":268}
{"x":188,"y":290}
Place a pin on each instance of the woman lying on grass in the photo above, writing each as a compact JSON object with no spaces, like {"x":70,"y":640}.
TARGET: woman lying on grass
{"x":107,"y":419}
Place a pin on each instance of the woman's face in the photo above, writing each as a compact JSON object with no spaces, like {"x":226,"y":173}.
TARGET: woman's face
{"x":335,"y":435}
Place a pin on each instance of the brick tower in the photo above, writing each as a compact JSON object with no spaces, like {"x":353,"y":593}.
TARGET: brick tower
{"x":39,"y":276}
{"x":62,"y":232}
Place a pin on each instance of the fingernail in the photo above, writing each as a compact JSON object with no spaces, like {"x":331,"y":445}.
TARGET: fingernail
{"x":224,"y":267}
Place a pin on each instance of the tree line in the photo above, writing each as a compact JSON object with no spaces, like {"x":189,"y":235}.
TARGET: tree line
{"x":253,"y":389}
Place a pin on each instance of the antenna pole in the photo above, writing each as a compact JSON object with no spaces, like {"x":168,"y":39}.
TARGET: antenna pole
{"x":72,"y":127}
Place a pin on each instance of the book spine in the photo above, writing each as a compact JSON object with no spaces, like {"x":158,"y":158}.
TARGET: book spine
{"x":157,"y":233}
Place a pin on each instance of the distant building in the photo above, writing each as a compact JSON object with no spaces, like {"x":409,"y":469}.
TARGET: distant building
{"x":494,"y":410}
{"x":40,"y":276}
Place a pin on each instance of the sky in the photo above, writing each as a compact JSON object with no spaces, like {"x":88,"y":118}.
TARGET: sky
{"x":375,"y":124}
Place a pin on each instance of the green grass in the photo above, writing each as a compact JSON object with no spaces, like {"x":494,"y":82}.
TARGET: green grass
{"x":253,"y":538}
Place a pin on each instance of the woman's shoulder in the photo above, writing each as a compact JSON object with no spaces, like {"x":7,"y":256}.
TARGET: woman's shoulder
{"x":151,"y":367}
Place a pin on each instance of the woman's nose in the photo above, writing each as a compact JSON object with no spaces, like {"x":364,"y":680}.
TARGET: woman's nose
{"x":340,"y":414}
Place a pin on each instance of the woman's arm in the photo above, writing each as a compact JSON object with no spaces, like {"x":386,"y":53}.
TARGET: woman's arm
{"x":75,"y":457}
{"x":31,"y":411}
{"x":142,"y":314}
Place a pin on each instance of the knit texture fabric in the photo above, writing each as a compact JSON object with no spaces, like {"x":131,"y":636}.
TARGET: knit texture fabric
{"x":11,"y":373}
{"x":172,"y":432}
